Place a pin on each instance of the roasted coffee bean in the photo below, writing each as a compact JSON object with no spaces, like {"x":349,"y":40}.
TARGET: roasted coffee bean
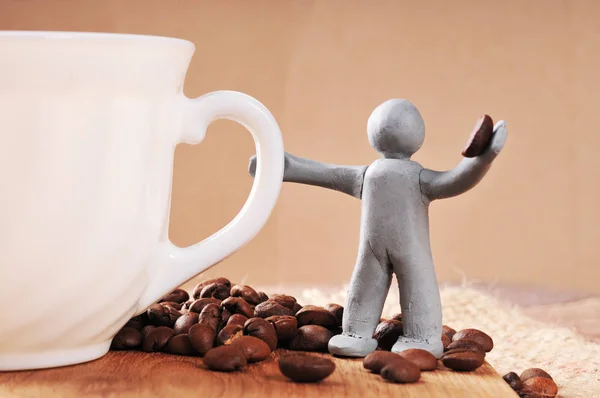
{"x":284,"y":300}
{"x":180,"y":345}
{"x":446,"y":341}
{"x":157,"y":339}
{"x":210,"y":315}
{"x":534,"y":372}
{"x":224,"y":317}
{"x":297,"y":307}
{"x":513,"y":381}
{"x":286,"y":326}
{"x":337,"y":311}
{"x":477,"y":336}
{"x":178,"y":296}
{"x":423,"y":359}
{"x":185,"y":322}
{"x":127,"y":338}
{"x":376,"y":360}
{"x":225,"y":359}
{"x":215,"y":290}
{"x":172,"y":304}
{"x":402,"y":371}
{"x":162,"y":315}
{"x":146,"y":329}
{"x":202,"y":338}
{"x":313,"y":315}
{"x":237,"y":305}
{"x":136,"y":322}
{"x":311,"y":338}
{"x":538,"y":387}
{"x":237,"y":319}
{"x":201,"y":285}
{"x":448,"y":331}
{"x":229,"y":333}
{"x":262,"y":297}
{"x":479,"y":138}
{"x":270,"y":308}
{"x":247,"y":293}
{"x":187,"y":305}
{"x":198,"y":305}
{"x":468,"y":344}
{"x":263,"y":330}
{"x":465,"y":361}
{"x":254,"y":349}
{"x":387,"y":333}
{"x":306,"y":368}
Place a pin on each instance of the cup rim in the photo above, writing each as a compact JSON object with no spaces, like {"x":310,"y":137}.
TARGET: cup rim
{"x":60,"y":34}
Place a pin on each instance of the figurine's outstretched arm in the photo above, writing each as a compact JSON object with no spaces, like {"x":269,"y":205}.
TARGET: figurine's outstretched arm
{"x":467,"y":174}
{"x":346,"y":179}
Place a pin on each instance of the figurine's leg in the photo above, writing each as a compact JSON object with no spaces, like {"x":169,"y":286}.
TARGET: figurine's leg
{"x":421,"y":305}
{"x":368,"y":289}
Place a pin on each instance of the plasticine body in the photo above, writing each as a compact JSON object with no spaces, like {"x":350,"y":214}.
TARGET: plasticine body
{"x":394,"y":232}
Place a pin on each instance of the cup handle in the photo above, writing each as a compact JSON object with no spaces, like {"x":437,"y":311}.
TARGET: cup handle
{"x":172,"y":266}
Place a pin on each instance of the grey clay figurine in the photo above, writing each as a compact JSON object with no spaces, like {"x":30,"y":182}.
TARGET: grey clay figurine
{"x":394,"y":233}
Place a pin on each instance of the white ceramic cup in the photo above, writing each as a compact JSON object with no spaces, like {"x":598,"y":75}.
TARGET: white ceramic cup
{"x":88,"y":127}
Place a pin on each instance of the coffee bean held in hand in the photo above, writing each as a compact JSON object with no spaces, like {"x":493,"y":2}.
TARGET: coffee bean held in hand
{"x":313,"y":315}
{"x":179,"y":345}
{"x":225,"y":359}
{"x":270,"y":308}
{"x":423,"y":359}
{"x":127,"y":338}
{"x":201,"y":285}
{"x":387,"y":333}
{"x":253,"y":348}
{"x":157,"y":339}
{"x":247,"y":293}
{"x":401,"y":371}
{"x":376,"y":360}
{"x":311,"y":338}
{"x":237,"y":305}
{"x":262,"y":329}
{"x":229,"y":333}
{"x":477,"y":336}
{"x":306,"y":368}
{"x":202,"y":338}
{"x":286,"y":326}
{"x":337,"y":311}
{"x":178,"y":296}
{"x":185,"y":322}
{"x":479,"y":138}
{"x":513,"y":380}
{"x":464,"y":361}
{"x":215,"y":290}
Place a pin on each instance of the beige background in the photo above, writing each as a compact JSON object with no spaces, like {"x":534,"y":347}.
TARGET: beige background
{"x":322,"y":66}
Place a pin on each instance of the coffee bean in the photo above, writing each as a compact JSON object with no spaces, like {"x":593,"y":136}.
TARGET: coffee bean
{"x":387,"y":333}
{"x":198,"y":305}
{"x":215,"y":290}
{"x":311,"y":338}
{"x":185,"y":322}
{"x":237,"y":319}
{"x":127,"y":338}
{"x":229,"y":333}
{"x":448,"y":331}
{"x":180,"y":345}
{"x":477,"y":336}
{"x":513,"y":381}
{"x":402,"y":371}
{"x":423,"y":359}
{"x":446,"y":341}
{"x":263,"y":330}
{"x":270,"y":308}
{"x":262,"y":297}
{"x":237,"y":305}
{"x":172,"y":304}
{"x":201,"y":285}
{"x":479,"y":138}
{"x":337,"y":311}
{"x":210,"y":315}
{"x":178,"y":296}
{"x":376,"y":360}
{"x":157,"y":339}
{"x":284,"y":300}
{"x":136,"y":322}
{"x":225,"y":359}
{"x":306,"y":368}
{"x":468,"y":344}
{"x":465,"y":361}
{"x":247,"y":293}
{"x":202,"y":338}
{"x":286,"y":326}
{"x":253,"y":348}
{"x":538,"y":387}
{"x":224,"y":316}
{"x":534,"y":372}
{"x":297,"y":307}
{"x":313,"y":315}
{"x":162,"y":315}
{"x":146,"y":329}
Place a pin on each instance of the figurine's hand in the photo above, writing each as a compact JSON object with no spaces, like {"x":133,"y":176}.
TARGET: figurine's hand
{"x":498,"y":139}
{"x":252,"y":166}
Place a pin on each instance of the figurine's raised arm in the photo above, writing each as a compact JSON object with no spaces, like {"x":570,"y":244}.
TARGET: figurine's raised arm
{"x":467,"y":174}
{"x":346,"y":179}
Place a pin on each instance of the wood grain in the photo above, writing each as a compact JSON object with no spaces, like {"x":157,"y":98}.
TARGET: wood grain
{"x":137,"y":374}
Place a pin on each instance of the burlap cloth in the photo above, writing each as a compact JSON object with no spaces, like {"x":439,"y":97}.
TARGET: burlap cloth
{"x":520,"y":342}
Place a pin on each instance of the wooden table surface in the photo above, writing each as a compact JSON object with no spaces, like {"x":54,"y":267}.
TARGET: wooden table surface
{"x":137,"y":374}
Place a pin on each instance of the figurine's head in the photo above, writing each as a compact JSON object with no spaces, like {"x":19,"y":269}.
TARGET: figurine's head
{"x":396,"y":129}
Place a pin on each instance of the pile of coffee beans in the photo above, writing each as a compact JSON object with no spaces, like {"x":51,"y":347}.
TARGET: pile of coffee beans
{"x":533,"y":383}
{"x":232,"y":326}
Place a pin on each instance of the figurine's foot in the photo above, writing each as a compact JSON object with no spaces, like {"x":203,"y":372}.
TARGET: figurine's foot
{"x":350,"y":346}
{"x":404,"y":343}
